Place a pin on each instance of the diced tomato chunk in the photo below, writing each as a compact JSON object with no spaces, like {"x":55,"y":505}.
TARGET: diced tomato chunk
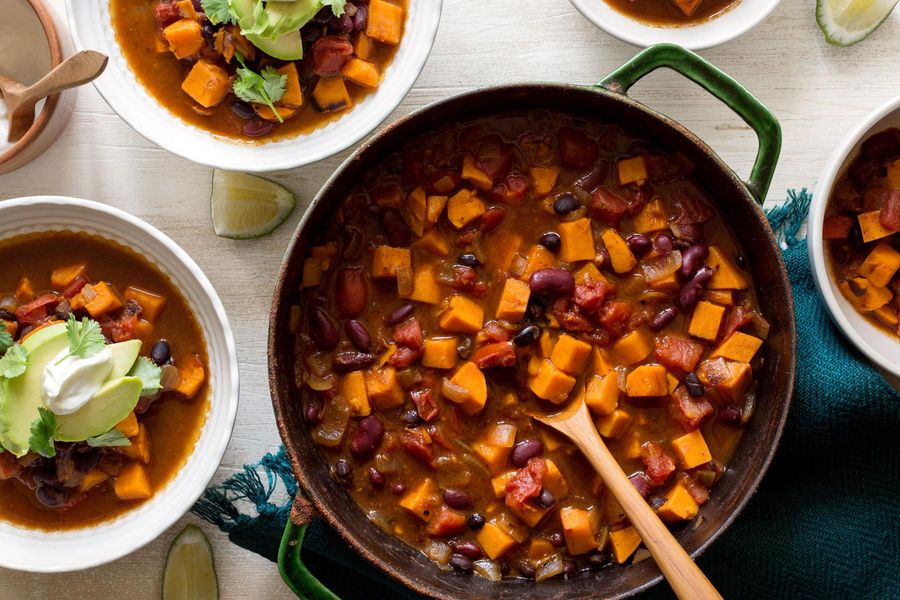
{"x":38,"y":310}
{"x":499,"y":354}
{"x":9,"y":466}
{"x":526,"y":483}
{"x":166,"y":13}
{"x":837,"y":227}
{"x":607,"y":207}
{"x":890,"y":213}
{"x":688,"y":411}
{"x":614,"y":316}
{"x":119,"y":330}
{"x":425,"y":404}
{"x":738,"y":316}
{"x":510,"y":191}
{"x":446,"y":523}
{"x":330,"y":52}
{"x":658,"y":465}
{"x":576,"y":149}
{"x":496,"y":332}
{"x":590,"y":294}
{"x":404,"y":356}
{"x":409,"y":333}
{"x":678,"y":353}
{"x":569,"y":316}
{"x":417,"y":446}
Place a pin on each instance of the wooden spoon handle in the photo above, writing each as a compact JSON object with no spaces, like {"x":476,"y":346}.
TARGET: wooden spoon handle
{"x":685,"y":577}
{"x":78,"y":69}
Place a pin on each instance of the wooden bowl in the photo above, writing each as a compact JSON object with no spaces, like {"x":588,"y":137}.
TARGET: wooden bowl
{"x":737,"y":204}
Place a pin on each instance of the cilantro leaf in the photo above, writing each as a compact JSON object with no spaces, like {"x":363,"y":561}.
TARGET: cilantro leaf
{"x":85,"y":338}
{"x":113,"y":437}
{"x":43,"y":430}
{"x":6,"y":340}
{"x":218,"y":12}
{"x":148,"y":373}
{"x":337,"y":6}
{"x":14,"y":362}
{"x":259,"y":88}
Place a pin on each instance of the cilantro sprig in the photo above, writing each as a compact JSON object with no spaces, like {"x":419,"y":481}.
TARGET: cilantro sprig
{"x":218,"y":12}
{"x":85,"y":338}
{"x":6,"y":340}
{"x":14,"y":362}
{"x":43,"y":432}
{"x":266,"y":87}
{"x":149,"y":374}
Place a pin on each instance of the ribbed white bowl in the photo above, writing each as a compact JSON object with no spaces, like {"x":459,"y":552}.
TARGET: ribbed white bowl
{"x":30,"y":550}
{"x":91,"y":26}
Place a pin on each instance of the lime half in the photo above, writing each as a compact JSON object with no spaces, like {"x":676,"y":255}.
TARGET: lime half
{"x":246,"y":206}
{"x":846,"y":22}
{"x":190,"y":571}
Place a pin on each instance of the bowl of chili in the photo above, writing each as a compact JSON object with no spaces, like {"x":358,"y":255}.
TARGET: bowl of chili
{"x":343,"y":494}
{"x":854,"y":240}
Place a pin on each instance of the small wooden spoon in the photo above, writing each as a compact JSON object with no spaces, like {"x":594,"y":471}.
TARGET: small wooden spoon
{"x":76,"y":70}
{"x":685,"y":577}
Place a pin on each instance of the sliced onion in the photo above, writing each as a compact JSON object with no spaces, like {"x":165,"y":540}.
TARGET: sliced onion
{"x":294,"y":319}
{"x":319,"y":363}
{"x":404,"y":281}
{"x":88,"y":292}
{"x":641,"y":555}
{"x":455,"y":392}
{"x":380,"y":520}
{"x":760,"y":325}
{"x":502,"y":434}
{"x":517,"y":267}
{"x":661,"y":267}
{"x":488,"y":569}
{"x":551,"y":566}
{"x":335,"y":417}
{"x":388,"y":463}
{"x":319,"y":384}
{"x":437,"y":551}
{"x":169,"y":378}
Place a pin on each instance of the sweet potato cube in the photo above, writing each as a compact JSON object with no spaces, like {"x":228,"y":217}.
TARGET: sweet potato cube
{"x":498,"y":482}
{"x":364,"y":46}
{"x":871,"y":298}
{"x":185,"y":38}
{"x":727,"y":274}
{"x":545,"y":344}
{"x":647,"y":381}
{"x":462,"y":315}
{"x":739,"y":347}
{"x":679,"y":505}
{"x":192,"y":375}
{"x":688,"y":411}
{"x":470,"y":378}
{"x":880,"y":265}
{"x":283,"y":112}
{"x":105,"y":300}
{"x":140,"y":445}
{"x":293,"y":94}
{"x":129,"y":425}
{"x":61,"y":278}
{"x":589,"y":273}
{"x":614,"y":424}
{"x":538,"y":258}
{"x":463,"y":207}
{"x":352,"y":387}
{"x":207,"y":83}
{"x":24,"y":290}
{"x":551,"y":384}
{"x":632,"y":170}
{"x":634,"y":346}
{"x":539,"y":548}
{"x":728,"y":378}
{"x":434,"y":242}
{"x":446,"y":523}
{"x":871,"y":227}
{"x":576,"y":526}
{"x":601,"y":394}
{"x":887,"y":315}
{"x":385,"y":22}
{"x":188,"y":10}
{"x":494,"y":540}
{"x":513,"y":300}
{"x":382,"y":388}
{"x":440,"y":353}
{"x":577,"y":240}
{"x":570,"y":354}
{"x":132,"y":483}
{"x":612,"y":508}
{"x":434,"y":207}
{"x":361,"y":72}
{"x":691,"y":450}
{"x":331,"y":94}
{"x":688,"y":7}
{"x":601,"y":364}
{"x":386,"y":260}
{"x":426,"y":287}
{"x":415,"y":211}
{"x":12,"y":327}
{"x":706,"y":320}
{"x":471,"y":173}
{"x":151,"y":304}
{"x":495,"y":447}
{"x":499,"y":249}
{"x":312,"y":272}
{"x":543,"y":180}
{"x":619,"y":253}
{"x":418,"y":501}
{"x":554,"y":480}
{"x":652,"y":217}
{"x":530,"y":514}
{"x":623,"y":543}
{"x":92,"y":479}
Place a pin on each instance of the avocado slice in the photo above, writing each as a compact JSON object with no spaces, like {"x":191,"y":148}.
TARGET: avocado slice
{"x":278,"y":15}
{"x":112,"y":403}
{"x":21,"y":397}
{"x":123,"y":356}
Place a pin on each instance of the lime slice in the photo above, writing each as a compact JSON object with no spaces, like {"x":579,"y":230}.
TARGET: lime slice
{"x":246,"y":206}
{"x":846,"y":22}
{"x":190,"y":571}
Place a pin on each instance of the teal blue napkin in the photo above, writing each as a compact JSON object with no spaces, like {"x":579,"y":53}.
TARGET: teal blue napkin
{"x":825,"y":523}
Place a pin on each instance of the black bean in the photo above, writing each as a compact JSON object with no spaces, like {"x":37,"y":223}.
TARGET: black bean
{"x":464,"y":347}
{"x":361,"y":17}
{"x":529,"y":335}
{"x":535,"y":308}
{"x":411,"y":417}
{"x":639,"y":244}
{"x":565,"y":203}
{"x":367,"y":437}
{"x":546,"y":499}
{"x":740,"y":261}
{"x":377,"y":478}
{"x":257,"y":127}
{"x":461,"y":563}
{"x":598,"y":557}
{"x":358,"y":334}
{"x":343,"y":469}
{"x":161,"y":352}
{"x":475,"y":521}
{"x":552,"y":281}
{"x":550,"y":240}
{"x":693,"y":385}
{"x":324,"y":15}
{"x":324,"y":331}
{"x":7,"y":316}
{"x":398,"y":488}
{"x":400,"y":314}
{"x":526,"y":568}
{"x":243,"y":110}
{"x":557,"y":539}
{"x":345,"y":362}
{"x":663,"y":318}
{"x":458,"y":498}
{"x":51,"y":496}
{"x":343,"y":23}
{"x":663,"y":243}
{"x":398,"y":232}
{"x":692,"y":259}
{"x":468,"y":259}
{"x":524,"y":451}
{"x":467,"y":548}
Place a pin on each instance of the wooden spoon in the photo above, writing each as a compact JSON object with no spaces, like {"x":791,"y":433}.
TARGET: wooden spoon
{"x":76,"y":70}
{"x":685,"y":577}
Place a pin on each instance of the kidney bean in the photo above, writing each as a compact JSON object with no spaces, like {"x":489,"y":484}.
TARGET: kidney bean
{"x":641,"y":483}
{"x":395,"y":226}
{"x":461,"y":563}
{"x":467,"y":548}
{"x":663,"y":243}
{"x":257,"y":127}
{"x":690,"y":292}
{"x":492,"y":218}
{"x":552,"y":280}
{"x":361,"y":17}
{"x":528,"y":335}
{"x":399,"y":314}
{"x":730,"y":414}
{"x":603,"y":259}
{"x":557,"y":539}
{"x":593,"y":178}
{"x":358,"y":334}
{"x":663,"y":318}
{"x":376,"y":478}
{"x":398,"y":488}
{"x":457,"y":498}
{"x":325,"y":333}
{"x":345,"y":362}
{"x":351,"y":292}
{"x":565,"y":203}
{"x":550,"y":240}
{"x":639,"y":244}
{"x":692,"y":258}
{"x":343,"y":23}
{"x":367,"y":437}
{"x":524,"y":451}
{"x":475,"y":521}
{"x":355,"y":243}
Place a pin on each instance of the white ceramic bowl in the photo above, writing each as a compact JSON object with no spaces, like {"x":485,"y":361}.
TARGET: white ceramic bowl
{"x":30,"y":550}
{"x":89,"y":21}
{"x":880,"y":347}
{"x":736,"y":21}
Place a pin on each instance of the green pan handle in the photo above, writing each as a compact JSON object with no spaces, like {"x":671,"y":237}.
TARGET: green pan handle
{"x":720,"y":85}
{"x":293,"y":571}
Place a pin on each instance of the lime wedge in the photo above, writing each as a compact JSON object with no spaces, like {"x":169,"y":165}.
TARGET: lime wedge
{"x":246,"y":206}
{"x":190,"y":571}
{"x":846,"y":22}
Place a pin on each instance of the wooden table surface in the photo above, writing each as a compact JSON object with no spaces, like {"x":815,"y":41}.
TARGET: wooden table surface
{"x":818,"y":92}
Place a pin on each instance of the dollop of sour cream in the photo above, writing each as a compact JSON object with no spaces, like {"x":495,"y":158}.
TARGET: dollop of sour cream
{"x":69,"y":382}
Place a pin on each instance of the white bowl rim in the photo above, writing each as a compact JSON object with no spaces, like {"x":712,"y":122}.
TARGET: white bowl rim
{"x":644,"y":35}
{"x":238,"y":161}
{"x":222,"y":437}
{"x":816,"y":246}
